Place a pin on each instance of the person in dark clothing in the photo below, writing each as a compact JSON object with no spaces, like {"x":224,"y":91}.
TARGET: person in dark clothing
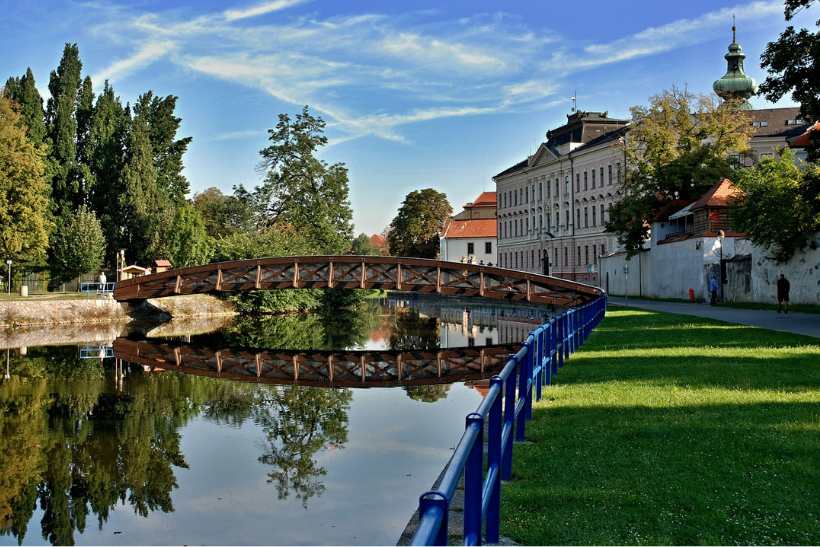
{"x":783,"y":287}
{"x":713,"y":291}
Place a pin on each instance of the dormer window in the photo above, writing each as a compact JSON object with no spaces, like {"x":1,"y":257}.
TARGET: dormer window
{"x":798,"y":121}
{"x":764,"y":123}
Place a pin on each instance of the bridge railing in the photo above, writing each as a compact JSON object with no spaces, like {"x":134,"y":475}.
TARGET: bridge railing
{"x":525,"y":374}
{"x":102,"y":290}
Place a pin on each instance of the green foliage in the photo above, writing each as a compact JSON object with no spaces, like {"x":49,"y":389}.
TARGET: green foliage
{"x":225,"y":215}
{"x":779,"y":209}
{"x":672,"y":430}
{"x":362,"y":246}
{"x":427,"y":394}
{"x":24,"y":92}
{"x":80,"y":245}
{"x":302,"y":192}
{"x":793,"y":64}
{"x":23,"y":192}
{"x":191,"y":245}
{"x":676,"y":149}
{"x":420,"y":220}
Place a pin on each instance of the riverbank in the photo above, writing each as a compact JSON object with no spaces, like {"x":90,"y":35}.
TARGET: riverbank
{"x":40,"y":312}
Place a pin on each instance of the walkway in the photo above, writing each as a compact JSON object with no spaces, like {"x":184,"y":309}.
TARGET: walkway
{"x":807,"y":324}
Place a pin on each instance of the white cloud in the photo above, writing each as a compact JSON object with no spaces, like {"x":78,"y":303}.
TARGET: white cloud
{"x":261,"y":9}
{"x":145,"y":56}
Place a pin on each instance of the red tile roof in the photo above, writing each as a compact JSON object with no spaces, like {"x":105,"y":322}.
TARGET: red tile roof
{"x":378,"y":240}
{"x":803,"y":140}
{"x":486,"y":199}
{"x":163,"y":263}
{"x":718,"y":195}
{"x":477,"y":227}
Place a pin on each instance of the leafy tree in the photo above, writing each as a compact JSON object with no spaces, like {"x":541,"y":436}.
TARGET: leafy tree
{"x":24,"y":92}
{"x":362,"y":246}
{"x":420,"y":220}
{"x":191,"y":245}
{"x":302,"y":191}
{"x":80,"y":245}
{"x":61,"y":126}
{"x":793,"y":64}
{"x":427,"y":394}
{"x":775,"y":210}
{"x":225,"y":215}
{"x":23,"y":192}
{"x":675,"y":149}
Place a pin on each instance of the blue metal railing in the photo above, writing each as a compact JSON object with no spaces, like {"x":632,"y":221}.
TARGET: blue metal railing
{"x":100,"y":289}
{"x":526,"y":372}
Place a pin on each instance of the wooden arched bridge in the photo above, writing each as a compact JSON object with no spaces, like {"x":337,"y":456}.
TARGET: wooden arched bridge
{"x":319,"y":368}
{"x":358,"y":272}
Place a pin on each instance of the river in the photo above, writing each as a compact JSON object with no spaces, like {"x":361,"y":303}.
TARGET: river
{"x":307,"y":429}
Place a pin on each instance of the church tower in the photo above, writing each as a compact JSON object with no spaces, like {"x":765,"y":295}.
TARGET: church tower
{"x":735,"y":84}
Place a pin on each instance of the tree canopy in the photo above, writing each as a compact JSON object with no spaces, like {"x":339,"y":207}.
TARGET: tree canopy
{"x":676,"y":148}
{"x":420,"y":221}
{"x":793,"y":64}
{"x":779,"y":208}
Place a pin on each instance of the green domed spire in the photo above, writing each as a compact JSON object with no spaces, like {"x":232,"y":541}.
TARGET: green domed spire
{"x":735,"y":84}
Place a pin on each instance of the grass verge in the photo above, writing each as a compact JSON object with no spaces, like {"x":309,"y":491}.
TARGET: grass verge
{"x":668,"y":429}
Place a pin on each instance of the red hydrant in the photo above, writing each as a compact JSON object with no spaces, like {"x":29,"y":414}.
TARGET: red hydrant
{"x":691,"y":294}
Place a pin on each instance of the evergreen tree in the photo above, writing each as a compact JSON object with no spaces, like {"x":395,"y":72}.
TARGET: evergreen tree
{"x":302,"y":191}
{"x":23,"y":192}
{"x":167,"y":149}
{"x":61,"y":126}
{"x":24,"y":92}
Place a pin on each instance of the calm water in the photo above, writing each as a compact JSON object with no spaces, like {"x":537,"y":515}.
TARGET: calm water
{"x":163,"y":436}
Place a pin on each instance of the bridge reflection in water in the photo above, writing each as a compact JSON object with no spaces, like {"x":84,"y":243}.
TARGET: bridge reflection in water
{"x":319,"y":368}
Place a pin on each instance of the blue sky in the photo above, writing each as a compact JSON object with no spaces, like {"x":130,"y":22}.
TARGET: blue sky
{"x":415,"y":94}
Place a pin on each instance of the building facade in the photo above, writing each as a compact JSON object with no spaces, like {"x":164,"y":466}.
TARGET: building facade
{"x":471,"y":236}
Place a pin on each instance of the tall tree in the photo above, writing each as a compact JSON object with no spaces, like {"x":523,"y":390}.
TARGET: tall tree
{"x":420,"y":220}
{"x":61,"y":125}
{"x":190,"y":243}
{"x":676,"y":148}
{"x":776,"y":209}
{"x":301,"y":190}
{"x":167,"y":149}
{"x":225,"y":215}
{"x":24,"y":92}
{"x":23,"y":191}
{"x":793,"y":64}
{"x":80,"y":245}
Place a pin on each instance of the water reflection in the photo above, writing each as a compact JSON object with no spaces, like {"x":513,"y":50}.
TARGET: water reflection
{"x":81,"y":438}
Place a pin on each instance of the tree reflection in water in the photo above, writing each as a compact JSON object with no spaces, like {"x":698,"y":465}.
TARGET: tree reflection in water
{"x":80,"y":446}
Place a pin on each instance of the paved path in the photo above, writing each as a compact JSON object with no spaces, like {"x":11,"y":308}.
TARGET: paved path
{"x":798,"y":323}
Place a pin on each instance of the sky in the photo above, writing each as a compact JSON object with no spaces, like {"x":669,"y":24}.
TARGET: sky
{"x":423,"y":94}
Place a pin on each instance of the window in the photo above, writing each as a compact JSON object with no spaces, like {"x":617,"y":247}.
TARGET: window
{"x":578,"y":218}
{"x":734,"y":161}
{"x":527,"y":195}
{"x":602,"y":213}
{"x":557,"y":188}
{"x":540,"y":190}
{"x":760,"y":124}
{"x":566,"y":180}
{"x":549,"y":222}
{"x":610,"y":174}
{"x":548,"y":189}
{"x":594,"y":252}
{"x":579,"y":255}
{"x":618,"y":169}
{"x":567,"y":213}
{"x":488,"y":247}
{"x":586,"y":217}
{"x":593,"y":216}
{"x":586,"y":186}
{"x":577,"y":182}
{"x":592,"y":183}
{"x":794,"y":122}
{"x":515,"y":194}
{"x":766,"y":155}
{"x":602,"y":176}
{"x":586,"y":254}
{"x":528,"y":227}
{"x":470,"y":248}
{"x":603,"y":249}
{"x":566,"y":256}
{"x":532,"y":258}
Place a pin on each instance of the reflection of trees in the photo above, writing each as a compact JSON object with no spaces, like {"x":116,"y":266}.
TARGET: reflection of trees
{"x":413,"y":331}
{"x":427,"y":394}
{"x":300,"y":421}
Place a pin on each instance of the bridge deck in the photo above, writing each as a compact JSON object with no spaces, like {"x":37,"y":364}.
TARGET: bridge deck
{"x":358,"y":272}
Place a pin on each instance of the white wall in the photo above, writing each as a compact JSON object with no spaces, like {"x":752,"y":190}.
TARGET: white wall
{"x":454,"y":249}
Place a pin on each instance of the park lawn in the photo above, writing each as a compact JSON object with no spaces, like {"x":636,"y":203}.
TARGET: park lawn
{"x":666,"y":429}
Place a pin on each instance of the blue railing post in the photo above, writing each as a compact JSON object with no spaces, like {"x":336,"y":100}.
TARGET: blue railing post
{"x":437,"y":503}
{"x":494,"y":436}
{"x":539,"y":362}
{"x":523,"y":372}
{"x":473,"y":480}
{"x":509,"y":418}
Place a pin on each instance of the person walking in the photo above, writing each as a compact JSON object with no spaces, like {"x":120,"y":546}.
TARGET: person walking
{"x":713,"y":291}
{"x":783,"y":287}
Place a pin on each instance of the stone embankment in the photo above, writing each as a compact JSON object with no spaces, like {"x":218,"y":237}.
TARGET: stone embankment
{"x":27,"y":313}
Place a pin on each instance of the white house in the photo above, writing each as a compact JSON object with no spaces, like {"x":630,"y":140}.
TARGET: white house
{"x":471,"y":235}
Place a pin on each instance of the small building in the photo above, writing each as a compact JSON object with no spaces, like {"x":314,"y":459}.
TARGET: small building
{"x":162,"y":265}
{"x":380,"y":243}
{"x":134,"y":271}
{"x":471,"y":235}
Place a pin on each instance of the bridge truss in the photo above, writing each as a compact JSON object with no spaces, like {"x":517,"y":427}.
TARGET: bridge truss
{"x":358,"y":272}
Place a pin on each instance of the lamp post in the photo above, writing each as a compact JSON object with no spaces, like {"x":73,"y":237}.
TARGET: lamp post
{"x":720,"y":237}
{"x":8,"y":262}
{"x":120,"y":263}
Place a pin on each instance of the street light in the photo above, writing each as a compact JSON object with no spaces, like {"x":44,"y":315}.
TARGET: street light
{"x":626,"y":282}
{"x":120,"y":263}
{"x":8,"y":262}
{"x":720,"y":236}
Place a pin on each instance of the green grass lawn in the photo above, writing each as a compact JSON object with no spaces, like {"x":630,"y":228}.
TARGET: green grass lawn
{"x":669,"y":429}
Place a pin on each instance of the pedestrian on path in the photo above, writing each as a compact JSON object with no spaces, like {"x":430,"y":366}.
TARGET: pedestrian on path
{"x":783,"y":287}
{"x":713,"y":290}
